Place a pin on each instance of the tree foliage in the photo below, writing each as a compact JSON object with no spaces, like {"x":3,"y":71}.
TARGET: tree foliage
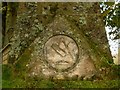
{"x":111,"y":15}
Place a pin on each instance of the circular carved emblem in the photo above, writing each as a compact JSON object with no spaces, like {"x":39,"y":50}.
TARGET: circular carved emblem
{"x":61,"y":52}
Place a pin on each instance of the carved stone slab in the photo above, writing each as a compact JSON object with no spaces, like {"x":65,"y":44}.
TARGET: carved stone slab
{"x":61,"y":52}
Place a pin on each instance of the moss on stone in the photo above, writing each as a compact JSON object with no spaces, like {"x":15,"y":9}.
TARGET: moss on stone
{"x":16,"y":76}
{"x":20,"y":68}
{"x":20,"y":83}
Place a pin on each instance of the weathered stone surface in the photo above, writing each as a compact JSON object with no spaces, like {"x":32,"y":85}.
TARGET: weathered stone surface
{"x":62,"y":48}
{"x":71,"y":33}
{"x":61,"y":52}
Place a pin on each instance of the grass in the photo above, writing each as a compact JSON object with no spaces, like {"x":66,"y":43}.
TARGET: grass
{"x":19,"y":83}
{"x":13,"y":80}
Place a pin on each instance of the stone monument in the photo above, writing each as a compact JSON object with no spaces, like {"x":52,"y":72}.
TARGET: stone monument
{"x":59,"y":40}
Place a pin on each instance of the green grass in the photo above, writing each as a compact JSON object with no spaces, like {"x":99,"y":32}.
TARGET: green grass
{"x":20,"y":83}
{"x":19,"y":80}
{"x":11,"y":80}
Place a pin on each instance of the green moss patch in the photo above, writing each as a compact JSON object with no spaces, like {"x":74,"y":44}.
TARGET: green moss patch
{"x":12,"y":80}
{"x":19,"y":83}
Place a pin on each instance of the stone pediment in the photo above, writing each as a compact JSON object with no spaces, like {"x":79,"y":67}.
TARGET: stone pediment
{"x":60,"y":53}
{"x":56,"y":45}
